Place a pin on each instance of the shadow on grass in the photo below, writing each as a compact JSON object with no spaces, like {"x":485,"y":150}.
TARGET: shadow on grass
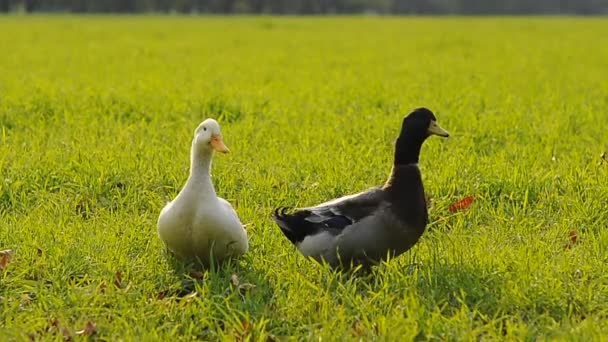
{"x":233,"y":292}
{"x":491,"y":294}
{"x":219,"y":276}
{"x":488,"y":295}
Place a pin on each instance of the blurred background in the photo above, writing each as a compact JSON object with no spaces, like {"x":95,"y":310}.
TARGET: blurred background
{"x":481,"y":7}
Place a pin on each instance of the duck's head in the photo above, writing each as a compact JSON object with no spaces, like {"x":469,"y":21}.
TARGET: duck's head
{"x":208,"y":137}
{"x":420,"y":124}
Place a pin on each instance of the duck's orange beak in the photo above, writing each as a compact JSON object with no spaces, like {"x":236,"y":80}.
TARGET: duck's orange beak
{"x":218,"y":144}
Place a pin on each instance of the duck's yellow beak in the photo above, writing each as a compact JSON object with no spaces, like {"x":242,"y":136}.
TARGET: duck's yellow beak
{"x":434,"y":128}
{"x":218,"y":144}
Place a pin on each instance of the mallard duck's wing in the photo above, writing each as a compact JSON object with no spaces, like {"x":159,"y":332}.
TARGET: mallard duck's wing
{"x":329,"y":218}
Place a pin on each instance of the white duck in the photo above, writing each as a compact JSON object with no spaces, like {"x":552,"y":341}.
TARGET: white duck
{"x":198,"y":223}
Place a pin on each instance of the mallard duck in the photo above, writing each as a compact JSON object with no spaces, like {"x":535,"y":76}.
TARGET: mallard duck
{"x":367,"y":227}
{"x":198,"y":224}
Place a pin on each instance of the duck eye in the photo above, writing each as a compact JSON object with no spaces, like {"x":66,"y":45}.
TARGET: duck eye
{"x":204,"y":128}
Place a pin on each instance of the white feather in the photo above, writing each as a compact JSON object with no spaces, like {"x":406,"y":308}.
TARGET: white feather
{"x":317,"y":244}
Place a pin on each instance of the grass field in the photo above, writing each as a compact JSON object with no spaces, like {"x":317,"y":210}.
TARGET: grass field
{"x":97,"y":115}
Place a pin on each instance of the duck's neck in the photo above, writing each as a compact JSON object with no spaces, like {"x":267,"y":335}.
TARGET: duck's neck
{"x":200,"y":171}
{"x":404,"y":185}
{"x":401,"y":178}
{"x":405,"y":189}
{"x":407,"y":148}
{"x":405,"y":167}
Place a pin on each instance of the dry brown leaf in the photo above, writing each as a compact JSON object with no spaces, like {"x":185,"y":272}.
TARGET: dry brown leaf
{"x":245,"y":324}
{"x":190,"y":297}
{"x":67,"y":336}
{"x":572,"y":239}
{"x":246,"y":287}
{"x":463,"y":204}
{"x":26,"y":299}
{"x":573,"y":236}
{"x":235,"y":280}
{"x":102,"y":287}
{"x":118,"y":279}
{"x":358,"y":329}
{"x":89,"y":329}
{"x":53,"y":323}
{"x":242,"y":287}
{"x":161,"y":295}
{"x":55,"y":326}
{"x":197,"y":275}
{"x":5,"y":258}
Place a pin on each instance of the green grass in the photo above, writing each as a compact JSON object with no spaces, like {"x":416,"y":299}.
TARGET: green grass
{"x":97,"y":114}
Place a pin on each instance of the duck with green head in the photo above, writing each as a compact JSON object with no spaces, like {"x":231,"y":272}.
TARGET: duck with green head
{"x":368,"y":227}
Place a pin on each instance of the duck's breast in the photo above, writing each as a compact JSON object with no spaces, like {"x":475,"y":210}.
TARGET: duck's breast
{"x":218,"y":232}
{"x":175,"y":227}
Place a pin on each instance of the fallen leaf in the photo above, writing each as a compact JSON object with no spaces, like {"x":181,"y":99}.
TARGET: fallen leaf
{"x":192,"y":296}
{"x":161,"y":295}
{"x":55,"y":326}
{"x":235,"y":280}
{"x":89,"y":329}
{"x":358,"y":329}
{"x":26,"y":299}
{"x":102,"y":287}
{"x":83,"y":208}
{"x":573,"y":236}
{"x":463,"y":204}
{"x":118,"y":279}
{"x":67,"y":336}
{"x":5,"y":258}
{"x":54,"y":323}
{"x":572,"y":239}
{"x":242,"y":287}
{"x":246,"y":287}
{"x":4,"y":261}
{"x":196,"y":275}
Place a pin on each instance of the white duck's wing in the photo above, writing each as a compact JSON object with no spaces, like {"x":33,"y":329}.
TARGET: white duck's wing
{"x":238,"y":243}
{"x":229,"y":209}
{"x":329,"y":218}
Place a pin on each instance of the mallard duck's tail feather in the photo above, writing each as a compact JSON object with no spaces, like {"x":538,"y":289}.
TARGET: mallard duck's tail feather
{"x":294,"y":225}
